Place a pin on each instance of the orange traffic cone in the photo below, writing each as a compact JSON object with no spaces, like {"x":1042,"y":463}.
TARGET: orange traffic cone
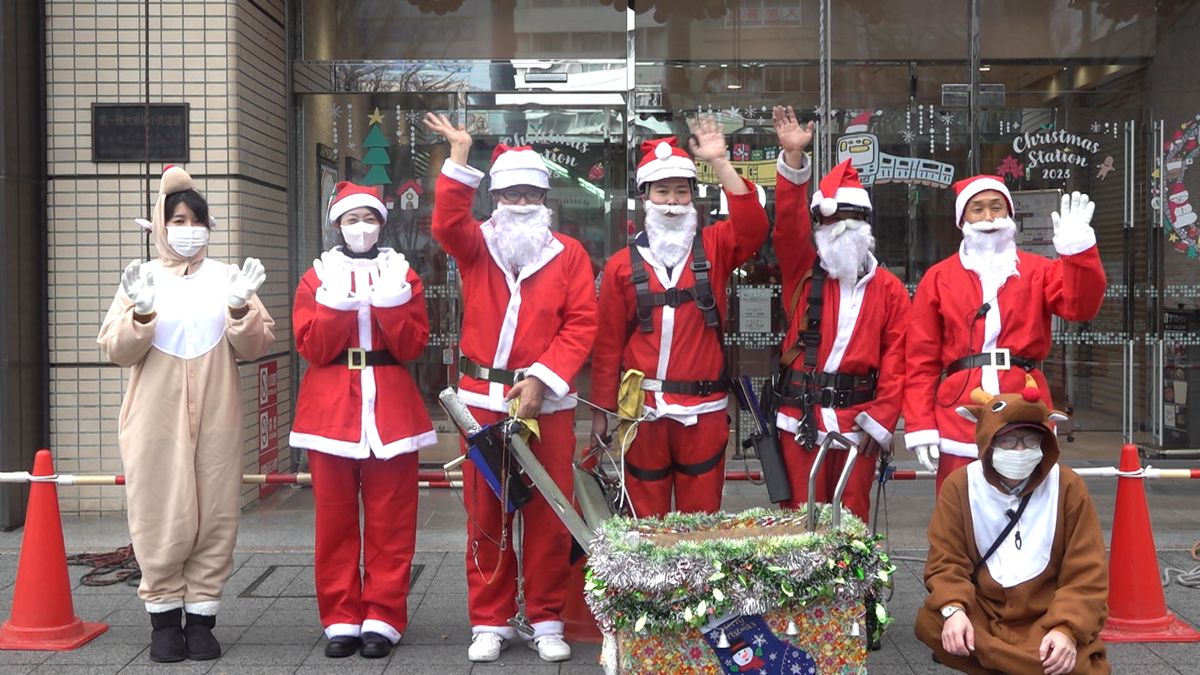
{"x":43,"y":616}
{"x":1137,"y":609}
{"x":578,"y":623}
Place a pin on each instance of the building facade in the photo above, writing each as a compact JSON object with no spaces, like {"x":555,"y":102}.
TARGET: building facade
{"x":286,"y":98}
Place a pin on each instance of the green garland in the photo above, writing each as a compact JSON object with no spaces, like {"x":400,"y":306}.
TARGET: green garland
{"x":635,"y":585}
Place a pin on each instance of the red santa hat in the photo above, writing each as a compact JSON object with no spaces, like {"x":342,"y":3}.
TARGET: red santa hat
{"x":840,"y":189}
{"x":859,"y":124}
{"x":969,"y":187}
{"x":1178,"y":190}
{"x":662,"y":158}
{"x":518,"y":165}
{"x":350,"y":196}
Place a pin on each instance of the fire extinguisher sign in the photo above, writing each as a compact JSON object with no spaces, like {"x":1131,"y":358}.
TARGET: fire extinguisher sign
{"x":268,"y":422}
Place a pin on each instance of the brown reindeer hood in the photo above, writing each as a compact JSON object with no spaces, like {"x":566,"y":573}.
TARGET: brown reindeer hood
{"x":999,"y":413}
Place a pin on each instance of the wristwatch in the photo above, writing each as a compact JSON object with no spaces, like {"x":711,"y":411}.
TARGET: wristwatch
{"x":950,"y":610}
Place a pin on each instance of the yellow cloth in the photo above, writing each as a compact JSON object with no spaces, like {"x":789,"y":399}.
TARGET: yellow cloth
{"x":531,"y":426}
{"x":631,"y":404}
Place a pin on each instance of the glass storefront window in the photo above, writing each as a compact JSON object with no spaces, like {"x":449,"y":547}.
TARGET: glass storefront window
{"x":1090,"y":96}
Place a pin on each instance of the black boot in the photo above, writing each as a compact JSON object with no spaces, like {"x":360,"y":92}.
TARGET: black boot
{"x":166,"y":637}
{"x":341,"y":646}
{"x":375,"y":646}
{"x":202,"y":645}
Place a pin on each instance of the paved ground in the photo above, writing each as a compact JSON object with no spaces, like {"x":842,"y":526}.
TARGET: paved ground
{"x":269,"y":621}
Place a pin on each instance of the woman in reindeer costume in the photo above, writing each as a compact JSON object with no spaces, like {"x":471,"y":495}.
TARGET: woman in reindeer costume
{"x":181,"y":322}
{"x":1016,"y":573}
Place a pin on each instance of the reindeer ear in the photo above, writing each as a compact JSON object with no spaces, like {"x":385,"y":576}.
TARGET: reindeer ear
{"x":969,"y":412}
{"x":1056,"y":416}
{"x":978,"y":395}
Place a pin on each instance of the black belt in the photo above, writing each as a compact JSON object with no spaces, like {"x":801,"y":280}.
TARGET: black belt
{"x":687,"y":387}
{"x":357,"y":358}
{"x":498,"y":375}
{"x":830,"y":390}
{"x":999,"y":359}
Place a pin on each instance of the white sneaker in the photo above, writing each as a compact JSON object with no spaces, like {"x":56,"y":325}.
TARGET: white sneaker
{"x":486,"y":647}
{"x":551,"y":648}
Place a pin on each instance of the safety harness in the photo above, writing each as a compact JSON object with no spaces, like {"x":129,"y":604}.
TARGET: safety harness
{"x":809,"y":386}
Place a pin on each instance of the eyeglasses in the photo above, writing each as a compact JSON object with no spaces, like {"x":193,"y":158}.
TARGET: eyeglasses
{"x":513,"y":195}
{"x":1012,"y":441}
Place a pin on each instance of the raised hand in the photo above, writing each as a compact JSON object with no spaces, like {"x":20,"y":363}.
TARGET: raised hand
{"x":793,"y":136}
{"x":1075,"y":212}
{"x":708,"y":141}
{"x":334,"y":276}
{"x":457,"y":136}
{"x":245,"y":282}
{"x":138,"y":283}
{"x":393,"y":273}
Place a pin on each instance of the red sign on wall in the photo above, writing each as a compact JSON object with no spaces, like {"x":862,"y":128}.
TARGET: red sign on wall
{"x":268,"y":422}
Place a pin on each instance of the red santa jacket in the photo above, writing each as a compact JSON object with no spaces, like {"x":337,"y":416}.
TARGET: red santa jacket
{"x":543,"y":320}
{"x":949,"y":322}
{"x":680,"y":347}
{"x":863,"y":323}
{"x":335,"y":401}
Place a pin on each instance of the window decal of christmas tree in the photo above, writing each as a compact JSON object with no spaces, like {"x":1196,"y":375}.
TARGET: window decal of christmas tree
{"x":377,"y":158}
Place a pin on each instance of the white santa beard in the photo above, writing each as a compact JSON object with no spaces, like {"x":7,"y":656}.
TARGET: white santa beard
{"x":670,"y":237}
{"x":845,"y":255}
{"x":989,"y":248}
{"x":520,"y":237}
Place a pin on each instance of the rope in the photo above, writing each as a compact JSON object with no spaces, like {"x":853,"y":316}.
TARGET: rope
{"x":1185,"y":578}
{"x":108,"y":568}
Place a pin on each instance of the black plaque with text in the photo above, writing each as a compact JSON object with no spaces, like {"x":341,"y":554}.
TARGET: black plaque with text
{"x":157,"y":132}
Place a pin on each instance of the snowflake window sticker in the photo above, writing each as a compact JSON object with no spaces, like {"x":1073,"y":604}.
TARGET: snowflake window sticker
{"x":1179,"y":219}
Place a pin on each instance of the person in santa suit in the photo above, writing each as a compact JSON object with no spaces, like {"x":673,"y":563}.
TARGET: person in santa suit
{"x":359,"y":314}
{"x":662,"y":305}
{"x":981,"y":318}
{"x":1016,"y":571}
{"x":528,"y":326}
{"x":850,"y":379}
{"x":180,"y":323}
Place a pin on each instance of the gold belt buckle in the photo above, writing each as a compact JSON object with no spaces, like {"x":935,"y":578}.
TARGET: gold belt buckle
{"x":356,"y":358}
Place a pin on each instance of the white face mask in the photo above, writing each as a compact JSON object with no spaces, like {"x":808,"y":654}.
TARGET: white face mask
{"x":187,"y":240}
{"x":361,"y":236}
{"x":1016,"y":464}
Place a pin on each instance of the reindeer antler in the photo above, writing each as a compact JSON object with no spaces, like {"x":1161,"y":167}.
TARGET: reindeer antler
{"x":978,"y":395}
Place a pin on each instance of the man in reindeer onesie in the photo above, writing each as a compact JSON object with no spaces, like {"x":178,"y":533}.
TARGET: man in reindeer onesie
{"x":1016,"y":571}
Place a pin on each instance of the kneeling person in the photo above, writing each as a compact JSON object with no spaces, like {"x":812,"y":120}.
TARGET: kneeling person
{"x":1016,"y":573}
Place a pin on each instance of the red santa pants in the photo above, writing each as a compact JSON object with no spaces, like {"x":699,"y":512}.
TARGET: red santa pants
{"x":799,"y":462}
{"x":376,"y":601}
{"x":666,"y":454}
{"x":546,"y":545}
{"x":948,"y":464}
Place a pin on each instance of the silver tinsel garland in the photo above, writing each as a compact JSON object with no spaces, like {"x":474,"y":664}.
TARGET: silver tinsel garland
{"x":636,"y":584}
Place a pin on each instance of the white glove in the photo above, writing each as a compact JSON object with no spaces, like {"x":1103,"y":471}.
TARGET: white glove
{"x":393,"y":274}
{"x":927,"y":455}
{"x":334,"y":276}
{"x":138,"y":284}
{"x":1074,"y":214}
{"x":245,"y":282}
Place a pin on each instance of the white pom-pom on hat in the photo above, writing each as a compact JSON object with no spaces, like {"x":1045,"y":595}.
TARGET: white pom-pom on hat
{"x":662,"y":150}
{"x":829,"y":206}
